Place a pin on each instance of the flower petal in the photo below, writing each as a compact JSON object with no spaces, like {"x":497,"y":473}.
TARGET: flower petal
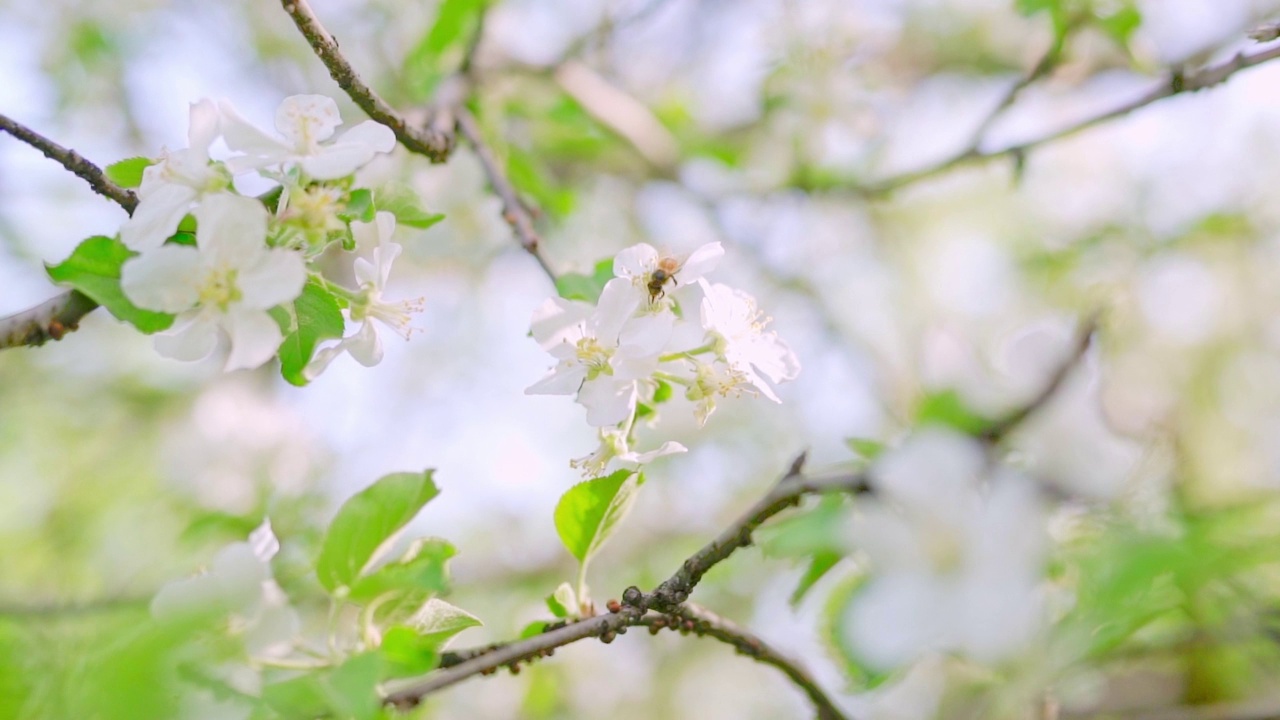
{"x":646,"y":334}
{"x":162,"y":207}
{"x":243,"y":136}
{"x":203,"y":128}
{"x":618,"y":302}
{"x":608,"y":401}
{"x":167,"y":279}
{"x":636,"y":261}
{"x":372,"y":134}
{"x":255,"y":337}
{"x":231,"y":230}
{"x":307,"y":119}
{"x":337,"y":160}
{"x":365,"y":346}
{"x":276,"y":278}
{"x":558,"y":321}
{"x":564,"y":379}
{"x":700,"y":262}
{"x":192,"y":341}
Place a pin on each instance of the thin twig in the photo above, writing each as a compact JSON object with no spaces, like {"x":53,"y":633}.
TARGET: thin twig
{"x":1043,"y":66}
{"x":72,"y":161}
{"x":1010,"y":422}
{"x":704,"y":623}
{"x":667,"y":598}
{"x":59,"y":315}
{"x":513,"y":209}
{"x":1176,"y":83}
{"x":427,"y":142}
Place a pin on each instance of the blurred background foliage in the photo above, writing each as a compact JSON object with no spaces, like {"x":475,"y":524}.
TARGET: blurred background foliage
{"x":760,"y":123}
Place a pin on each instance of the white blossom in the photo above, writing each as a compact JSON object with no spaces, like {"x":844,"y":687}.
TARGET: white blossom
{"x":599,"y":360}
{"x":365,"y":345}
{"x":305,"y":121}
{"x":614,"y":448}
{"x":956,"y":567}
{"x":227,"y":282}
{"x":238,"y":585}
{"x":178,"y":179}
{"x":638,"y":263}
{"x":736,"y":329}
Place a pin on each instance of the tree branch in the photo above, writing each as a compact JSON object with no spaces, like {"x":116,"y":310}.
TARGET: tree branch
{"x":513,"y":209}
{"x":73,"y":162}
{"x":54,"y":318}
{"x":1175,"y":83}
{"x":427,"y":142}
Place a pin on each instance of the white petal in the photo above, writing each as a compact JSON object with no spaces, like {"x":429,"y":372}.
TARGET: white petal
{"x":231,"y":230}
{"x":322,"y":359}
{"x":242,"y":136}
{"x":191,"y":341}
{"x":608,"y":401}
{"x":896,"y":619}
{"x":365,"y":346}
{"x":557,"y":321}
{"x":336,"y":161}
{"x":700,"y":262}
{"x":636,"y":261}
{"x":647,"y":334}
{"x":183,"y":598}
{"x":276,"y":278}
{"x":263,"y":541}
{"x":167,"y":278}
{"x":255,"y":337}
{"x":239,"y":574}
{"x":667,"y":448}
{"x":157,"y":216}
{"x":618,"y":302}
{"x":273,"y":631}
{"x":564,"y":379}
{"x":307,"y":119}
{"x":203,"y":128}
{"x":374,"y":135}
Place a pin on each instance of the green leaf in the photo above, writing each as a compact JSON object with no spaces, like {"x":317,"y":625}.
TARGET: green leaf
{"x":313,"y":317}
{"x":1121,"y":24}
{"x":360,"y":206}
{"x":404,"y":203}
{"x":533,"y":629}
{"x":439,"y":52}
{"x":406,"y":652}
{"x":835,"y":631}
{"x":128,"y":173}
{"x":866,"y":449}
{"x":438,"y":621}
{"x":563,"y":602}
{"x":576,"y":286}
{"x":821,"y":529}
{"x":94,"y":269}
{"x":367,"y":522}
{"x":662,"y":393}
{"x":348,"y":691}
{"x":821,"y":563}
{"x":590,"y":511}
{"x":422,"y":571}
{"x":299,"y":697}
{"x":947,"y":408}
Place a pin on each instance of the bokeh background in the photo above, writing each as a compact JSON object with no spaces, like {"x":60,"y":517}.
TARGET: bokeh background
{"x":121,"y":470}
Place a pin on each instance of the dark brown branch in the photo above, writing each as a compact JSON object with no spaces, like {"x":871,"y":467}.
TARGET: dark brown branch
{"x":667,"y":598}
{"x":1010,"y":422}
{"x":513,"y":209}
{"x":72,"y":161}
{"x":428,"y":142}
{"x":54,"y":318}
{"x":704,"y":623}
{"x":1175,"y":83}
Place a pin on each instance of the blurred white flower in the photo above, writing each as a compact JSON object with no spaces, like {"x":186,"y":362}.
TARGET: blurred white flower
{"x":228,"y":282}
{"x":238,"y":585}
{"x":365,"y":345}
{"x":954,"y":568}
{"x":597,"y":362}
{"x":914,"y":696}
{"x":177,"y":180}
{"x":736,"y":328}
{"x":615,"y":448}
{"x":305,"y":121}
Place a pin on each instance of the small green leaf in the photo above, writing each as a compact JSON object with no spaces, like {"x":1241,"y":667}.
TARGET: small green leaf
{"x":314,"y":316}
{"x":404,"y":203}
{"x":422,"y":571}
{"x":563,"y":602}
{"x":128,"y":173}
{"x":1121,"y":24}
{"x":947,"y":408}
{"x":406,"y":652}
{"x":662,"y":393}
{"x":369,"y":521}
{"x":533,"y":629}
{"x":440,"y":50}
{"x":590,"y":511}
{"x":821,"y":529}
{"x":821,"y":563}
{"x":866,"y":449}
{"x":360,"y":206}
{"x":438,"y":621}
{"x":94,"y":269}
{"x":576,"y":286}
{"x":835,"y":630}
{"x":353,"y":687}
{"x":302,"y":696}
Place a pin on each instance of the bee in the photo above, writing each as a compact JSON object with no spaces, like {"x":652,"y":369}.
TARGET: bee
{"x":666,"y":271}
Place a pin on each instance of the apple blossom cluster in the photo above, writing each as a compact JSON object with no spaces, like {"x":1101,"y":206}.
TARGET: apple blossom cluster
{"x":621,"y":357}
{"x":246,"y":269}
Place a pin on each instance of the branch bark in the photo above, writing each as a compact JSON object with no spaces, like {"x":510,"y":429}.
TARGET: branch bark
{"x":55,"y":317}
{"x":428,"y":142}
{"x":1176,"y":82}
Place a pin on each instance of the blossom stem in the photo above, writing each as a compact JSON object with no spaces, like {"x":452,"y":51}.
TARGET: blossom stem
{"x":298,"y":664}
{"x":668,"y":377}
{"x":687,"y":354}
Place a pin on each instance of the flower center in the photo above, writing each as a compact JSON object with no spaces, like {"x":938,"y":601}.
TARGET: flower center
{"x":220,"y":289}
{"x":595,"y":357}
